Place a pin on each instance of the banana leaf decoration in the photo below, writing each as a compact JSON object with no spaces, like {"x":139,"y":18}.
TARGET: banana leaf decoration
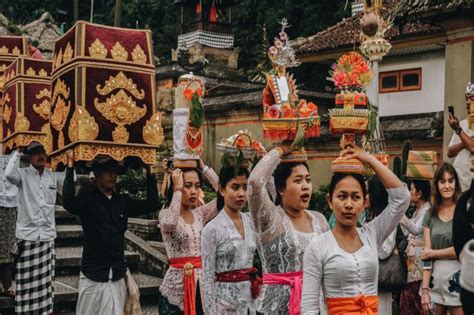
{"x":298,"y":142}
{"x":197,"y":112}
{"x":229,"y":160}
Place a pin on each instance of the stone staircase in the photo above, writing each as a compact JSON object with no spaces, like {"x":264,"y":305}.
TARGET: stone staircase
{"x":68,"y":256}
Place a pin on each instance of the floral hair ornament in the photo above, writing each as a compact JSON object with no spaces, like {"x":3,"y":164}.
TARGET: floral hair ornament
{"x":239,"y":150}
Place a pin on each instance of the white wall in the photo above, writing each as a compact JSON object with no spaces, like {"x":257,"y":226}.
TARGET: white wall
{"x":431,"y":96}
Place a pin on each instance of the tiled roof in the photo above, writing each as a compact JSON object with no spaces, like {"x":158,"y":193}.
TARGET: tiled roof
{"x":415,"y":7}
{"x":346,"y":33}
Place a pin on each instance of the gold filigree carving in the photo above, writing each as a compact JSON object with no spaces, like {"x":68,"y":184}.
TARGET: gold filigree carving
{"x":68,"y":53}
{"x":43,"y":109}
{"x":152,"y":131}
{"x":122,"y":110}
{"x":21,"y":122}
{"x":3,"y":67}
{"x":31,"y":72}
{"x":23,"y":140}
{"x":97,"y":50}
{"x":3,"y":50}
{"x":88,"y":152}
{"x":2,"y":81}
{"x":61,"y":109}
{"x":120,"y":81}
{"x":43,"y":73}
{"x":7,"y":114}
{"x":48,"y":138}
{"x":16,"y":51}
{"x":43,"y":93}
{"x":59,"y":58}
{"x":82,"y":126}
{"x":138,"y":55}
{"x":118,"y":52}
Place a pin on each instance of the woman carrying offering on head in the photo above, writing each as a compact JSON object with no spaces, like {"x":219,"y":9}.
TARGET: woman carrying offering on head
{"x":442,"y":268}
{"x":344,"y":262}
{"x":181,"y":223}
{"x":283,"y":229}
{"x":228,"y":244}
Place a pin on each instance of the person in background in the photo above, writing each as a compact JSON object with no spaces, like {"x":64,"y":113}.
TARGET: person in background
{"x":34,"y":51}
{"x":440,"y":283}
{"x":35,"y":230}
{"x":412,"y":228}
{"x":8,"y":204}
{"x":104,"y":215}
{"x":462,"y":145}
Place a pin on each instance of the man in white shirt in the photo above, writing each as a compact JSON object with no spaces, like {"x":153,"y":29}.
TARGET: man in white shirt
{"x":35,"y":230}
{"x":459,"y":146}
{"x":8,"y":204}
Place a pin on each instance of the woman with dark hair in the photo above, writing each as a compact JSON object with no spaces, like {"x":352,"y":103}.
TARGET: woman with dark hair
{"x":283,"y":230}
{"x":412,"y":228}
{"x":181,"y":223}
{"x":228,"y":244}
{"x":441,"y":281}
{"x":344,"y":262}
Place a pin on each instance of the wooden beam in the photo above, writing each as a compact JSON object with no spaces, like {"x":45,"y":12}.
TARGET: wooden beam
{"x":118,"y":12}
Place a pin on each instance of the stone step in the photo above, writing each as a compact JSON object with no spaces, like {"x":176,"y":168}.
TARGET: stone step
{"x":66,"y":292}
{"x":158,"y":245}
{"x":64,"y":217}
{"x":68,"y":260}
{"x":68,"y":235}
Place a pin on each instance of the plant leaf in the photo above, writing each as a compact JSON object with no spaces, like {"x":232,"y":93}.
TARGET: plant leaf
{"x":238,"y":162}
{"x":299,"y":137}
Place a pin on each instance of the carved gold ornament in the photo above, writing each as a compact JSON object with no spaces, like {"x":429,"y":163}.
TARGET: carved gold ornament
{"x":16,"y":51}
{"x":82,"y":126}
{"x":120,"y":81}
{"x":152,"y":131}
{"x":3,"y":50}
{"x":122,"y":110}
{"x":59,"y":58}
{"x":138,"y":55}
{"x":68,"y":53}
{"x":61,"y":110}
{"x":2,"y":81}
{"x":3,"y":67}
{"x":30,"y":72}
{"x":88,"y":152}
{"x":21,"y":122}
{"x":97,"y":50}
{"x":7,"y":114}
{"x":118,"y":52}
{"x":43,"y":73}
{"x":43,"y":109}
{"x":48,"y":141}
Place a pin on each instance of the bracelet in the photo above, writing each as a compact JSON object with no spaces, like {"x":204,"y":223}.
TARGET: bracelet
{"x":177,"y":189}
{"x":425,"y":289}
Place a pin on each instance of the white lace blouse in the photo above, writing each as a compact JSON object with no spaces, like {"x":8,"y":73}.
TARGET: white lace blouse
{"x":182,"y":239}
{"x":223,"y":249}
{"x":280,"y":246}
{"x":343,"y":274}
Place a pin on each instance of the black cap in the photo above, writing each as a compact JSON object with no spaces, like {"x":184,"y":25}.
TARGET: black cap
{"x":107,"y":165}
{"x":34,"y":147}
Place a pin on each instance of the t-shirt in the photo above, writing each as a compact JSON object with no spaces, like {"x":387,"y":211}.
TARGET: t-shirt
{"x":441,"y":232}
{"x":462,"y":162}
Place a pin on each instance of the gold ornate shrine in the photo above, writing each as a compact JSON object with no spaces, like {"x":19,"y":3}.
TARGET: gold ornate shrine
{"x":27,"y":103}
{"x":105,"y":98}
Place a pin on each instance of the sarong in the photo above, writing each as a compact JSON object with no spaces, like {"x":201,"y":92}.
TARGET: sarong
{"x":34,"y":277}
{"x":101,"y":297}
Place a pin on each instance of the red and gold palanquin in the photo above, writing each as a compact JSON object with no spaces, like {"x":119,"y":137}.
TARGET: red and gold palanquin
{"x":10,"y":48}
{"x":103,"y":95}
{"x":26,"y":103}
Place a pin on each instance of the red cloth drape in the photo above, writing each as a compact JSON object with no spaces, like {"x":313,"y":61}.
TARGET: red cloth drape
{"x":249,"y":274}
{"x":188,"y":264}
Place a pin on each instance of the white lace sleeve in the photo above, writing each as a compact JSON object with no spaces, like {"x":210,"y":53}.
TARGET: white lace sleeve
{"x":168,"y":217}
{"x":212,"y":177}
{"x":262,"y":208}
{"x":312,"y":280}
{"x":208,"y":253}
{"x":386,"y":222}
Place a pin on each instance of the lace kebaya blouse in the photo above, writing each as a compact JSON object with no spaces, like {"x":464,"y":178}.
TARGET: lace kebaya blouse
{"x":280,"y":246}
{"x":223,"y":249}
{"x":182,"y":239}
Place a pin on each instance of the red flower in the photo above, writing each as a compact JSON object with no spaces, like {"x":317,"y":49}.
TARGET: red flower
{"x":275,"y":111}
{"x":188,"y":94}
{"x":199,"y":92}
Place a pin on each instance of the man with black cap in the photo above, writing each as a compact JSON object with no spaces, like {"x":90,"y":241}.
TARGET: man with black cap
{"x":104,"y":215}
{"x":35,"y":230}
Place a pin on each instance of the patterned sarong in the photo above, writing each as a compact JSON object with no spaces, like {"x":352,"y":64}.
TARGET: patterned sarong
{"x":34,"y":278}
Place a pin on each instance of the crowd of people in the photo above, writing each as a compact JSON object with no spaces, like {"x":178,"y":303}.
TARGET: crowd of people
{"x":307,"y":266}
